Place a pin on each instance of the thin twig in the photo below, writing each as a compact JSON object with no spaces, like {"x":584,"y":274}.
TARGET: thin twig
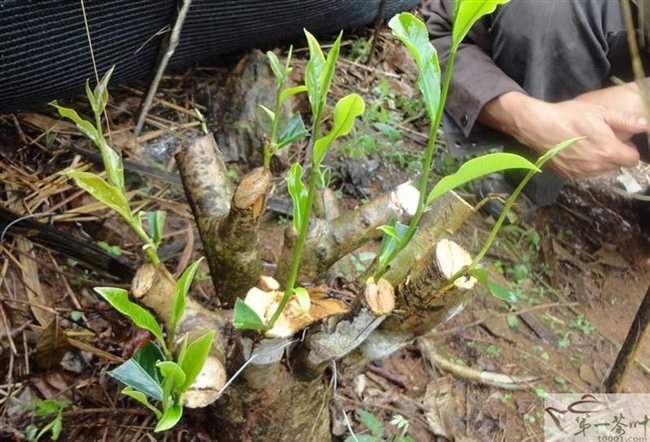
{"x":171,"y":45}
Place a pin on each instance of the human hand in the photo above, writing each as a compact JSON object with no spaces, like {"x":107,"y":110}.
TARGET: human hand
{"x":541,"y":125}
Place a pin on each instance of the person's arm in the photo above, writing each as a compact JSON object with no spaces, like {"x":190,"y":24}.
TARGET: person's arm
{"x":476,"y":79}
{"x":541,"y":125}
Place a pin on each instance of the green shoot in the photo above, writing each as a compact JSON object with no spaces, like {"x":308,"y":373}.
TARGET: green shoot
{"x":111,"y":191}
{"x":294,"y":128}
{"x":155,"y":371}
{"x":318,"y":78}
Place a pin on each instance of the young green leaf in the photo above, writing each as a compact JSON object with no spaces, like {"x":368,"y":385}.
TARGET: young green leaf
{"x":91,"y":97}
{"x":142,"y":398}
{"x":556,"y":150}
{"x":119,"y":299}
{"x":391,"y":240}
{"x":268,"y":111}
{"x":156,"y":222}
{"x":320,"y":71}
{"x":101,"y":92}
{"x":182,"y":288}
{"x":183,"y":350}
{"x":298,"y":193}
{"x":302,"y":295}
{"x":197,"y":353}
{"x":294,"y":130}
{"x":313,"y":73}
{"x":102,"y":191}
{"x":469,"y":12}
{"x":84,"y":126}
{"x":141,"y":373}
{"x":46,"y":407}
{"x":328,"y":69}
{"x":276,"y":67}
{"x":291,"y":91}
{"x":171,"y":416}
{"x":389,"y":230}
{"x":112,"y":163}
{"x":173,"y":376}
{"x":245,"y":318}
{"x":501,"y":292}
{"x":414,"y":35}
{"x":346,"y":111}
{"x":372,"y":423}
{"x":478,"y":167}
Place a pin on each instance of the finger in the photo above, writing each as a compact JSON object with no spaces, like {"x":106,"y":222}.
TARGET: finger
{"x":625,"y":122}
{"x":626,"y":155}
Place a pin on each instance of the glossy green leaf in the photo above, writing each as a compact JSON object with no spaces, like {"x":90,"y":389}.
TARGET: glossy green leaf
{"x":84,"y":126}
{"x":141,"y":373}
{"x":119,"y":300}
{"x":320,"y":71}
{"x":293,"y":130}
{"x":173,"y":376}
{"x":170,"y":418}
{"x":346,"y":111}
{"x":276,"y":67}
{"x":413,"y":33}
{"x":390,"y":241}
{"x":468,"y":12}
{"x":291,"y":91}
{"x":479,"y":167}
{"x":102,"y":191}
{"x":298,"y":193}
{"x":156,"y":220}
{"x":328,"y":69}
{"x":197,"y":353}
{"x":302,"y":295}
{"x":245,"y":318}
{"x":313,"y":73}
{"x":182,"y":288}
{"x":142,"y":398}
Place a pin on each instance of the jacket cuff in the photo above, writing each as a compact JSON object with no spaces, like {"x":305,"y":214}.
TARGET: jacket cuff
{"x":476,"y":80}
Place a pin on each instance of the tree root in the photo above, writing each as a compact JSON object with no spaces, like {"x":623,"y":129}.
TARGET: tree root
{"x":497,"y":380}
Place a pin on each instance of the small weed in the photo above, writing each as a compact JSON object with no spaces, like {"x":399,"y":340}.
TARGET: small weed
{"x":582,"y":324}
{"x":360,"y":49}
{"x":115,"y":250}
{"x":46,"y":408}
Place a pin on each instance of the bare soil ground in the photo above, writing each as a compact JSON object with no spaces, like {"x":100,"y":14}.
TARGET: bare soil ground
{"x":578,"y":271}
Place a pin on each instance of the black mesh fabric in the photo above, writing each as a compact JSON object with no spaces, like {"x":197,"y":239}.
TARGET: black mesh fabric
{"x":44,"y":52}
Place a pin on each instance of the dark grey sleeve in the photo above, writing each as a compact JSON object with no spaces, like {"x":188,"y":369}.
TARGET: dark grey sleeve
{"x":476,"y":78}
